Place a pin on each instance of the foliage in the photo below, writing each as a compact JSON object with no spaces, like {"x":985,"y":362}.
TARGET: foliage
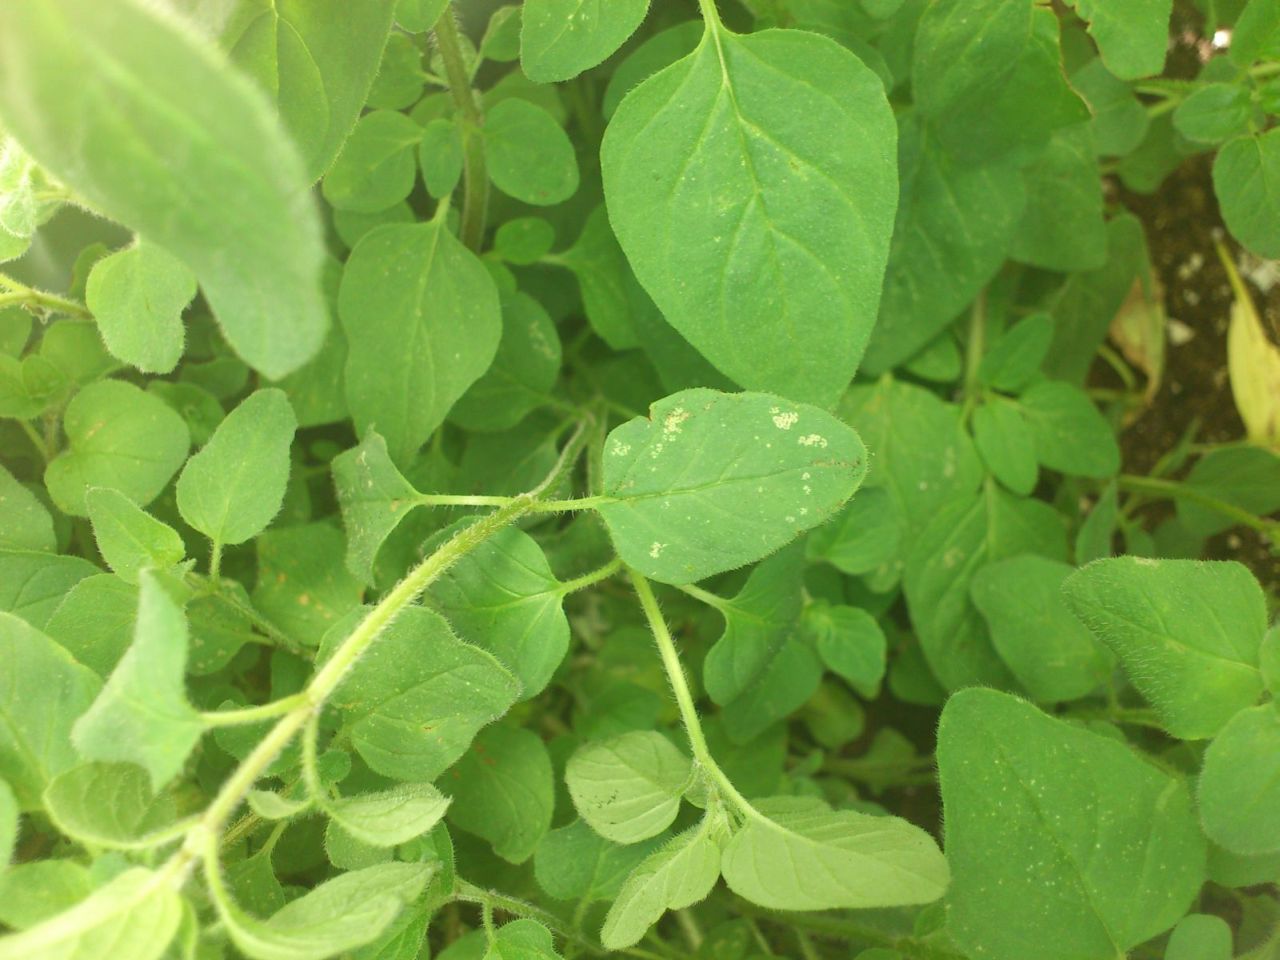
{"x":492,"y":473}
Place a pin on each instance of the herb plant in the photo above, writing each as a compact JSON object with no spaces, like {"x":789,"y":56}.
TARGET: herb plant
{"x":518,"y":482}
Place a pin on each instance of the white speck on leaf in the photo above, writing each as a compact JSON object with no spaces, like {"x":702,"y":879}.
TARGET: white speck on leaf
{"x":813,"y":440}
{"x":785,"y":421}
{"x":656,"y":549}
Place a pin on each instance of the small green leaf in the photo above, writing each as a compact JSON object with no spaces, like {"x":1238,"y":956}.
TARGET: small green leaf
{"x":850,"y":643}
{"x":137,"y":296}
{"x":503,"y":790}
{"x":1102,"y":846}
{"x":414,"y":703}
{"x":1246,"y":179}
{"x":610,"y":292}
{"x":339,"y":915}
{"x":43,"y":692}
{"x":31,"y":893}
{"x":129,"y":538}
{"x":1051,"y":653}
{"x":153,"y":128}
{"x":714,"y":172}
{"x":524,"y":240}
{"x":107,"y":805}
{"x":1132,"y":35}
{"x":1014,"y":359}
{"x":423,"y":322}
{"x":522,"y":940}
{"x":1071,"y":436}
{"x":399,"y":82}
{"x":1186,"y":632}
{"x":419,"y":16}
{"x":527,"y":155}
{"x":576,"y":863}
{"x":233,"y":487}
{"x":374,"y":497}
{"x":25,"y":523}
{"x":1007,"y":445}
{"x":135,"y":915}
{"x":1199,"y":936}
{"x":865,"y":535}
{"x":142,"y":715}
{"x":504,"y":598}
{"x":561,"y":38}
{"x":440,"y":156}
{"x":117,"y":437}
{"x":799,"y":854}
{"x":390,"y":817}
{"x":1256,"y":35}
{"x":628,"y":788}
{"x":711,"y":481}
{"x":377,"y":167}
{"x":1240,"y":784}
{"x":677,"y":876}
{"x":1213,"y":113}
{"x":1062,"y":226}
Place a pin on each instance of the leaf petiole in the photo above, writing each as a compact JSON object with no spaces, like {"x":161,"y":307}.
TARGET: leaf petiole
{"x":249,"y":715}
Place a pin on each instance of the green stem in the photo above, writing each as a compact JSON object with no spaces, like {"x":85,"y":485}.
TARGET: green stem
{"x":248,"y":715}
{"x":37,"y":441}
{"x":475,"y":179}
{"x":974,"y":350}
{"x":710,"y":14}
{"x":20,"y":293}
{"x":1171,"y":489}
{"x":703,"y":596}
{"x":684,"y":697}
{"x":215,"y":561}
{"x":589,"y":579}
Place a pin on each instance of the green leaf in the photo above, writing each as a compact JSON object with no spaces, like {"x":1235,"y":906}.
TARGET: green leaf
{"x":711,"y":481}
{"x":504,"y":598}
{"x":1051,"y":653}
{"x":30,"y":893}
{"x":523,"y":372}
{"x":864,"y":536}
{"x":576,"y":863}
{"x":801,"y":855}
{"x":137,"y":296}
{"x":107,"y":805}
{"x":1071,"y":436}
{"x":316,"y":61}
{"x":1256,"y":35}
{"x":413,"y":704}
{"x":1214,"y":112}
{"x":954,"y":223}
{"x":610,"y":293}
{"x":1101,"y":845}
{"x":128,"y":537}
{"x":1246,"y":476}
{"x":42,"y":692}
{"x":440,"y":156}
{"x":339,"y":915}
{"x":753,"y":187}
{"x":1199,"y":936}
{"x":142,"y":715}
{"x":303,"y":585}
{"x":233,"y":487}
{"x":524,"y":240}
{"x":423,"y":320}
{"x":377,"y":166}
{"x":8,"y":824}
{"x":374,"y":497}
{"x":399,"y":82}
{"x":522,"y":940}
{"x":1014,"y":359}
{"x":561,"y":38}
{"x":419,"y":16}
{"x":658,"y":51}
{"x":1062,"y":226}
{"x":503,"y":790}
{"x":1132,"y":35}
{"x":1186,"y":632}
{"x":25,"y":523}
{"x":135,"y":915}
{"x":527,"y":155}
{"x":1246,"y":178}
{"x":117,"y":437}
{"x":1239,"y":790}
{"x":628,"y":788}
{"x":33,"y":584}
{"x":1120,"y":120}
{"x":966,"y":535}
{"x":390,"y":817}
{"x":1006,"y":445}
{"x":156,"y":130}
{"x":677,"y":876}
{"x":850,"y":643}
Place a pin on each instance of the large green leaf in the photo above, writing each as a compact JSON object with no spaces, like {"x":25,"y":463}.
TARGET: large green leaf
{"x":423,"y":322}
{"x":801,"y":855}
{"x":316,"y":60}
{"x":135,"y":915}
{"x":155,"y":129}
{"x":142,"y":715}
{"x":628,"y":788}
{"x":42,"y":692}
{"x":1186,"y":632}
{"x":1101,"y":846}
{"x":752,"y":186}
{"x":561,"y":38}
{"x":711,"y":481}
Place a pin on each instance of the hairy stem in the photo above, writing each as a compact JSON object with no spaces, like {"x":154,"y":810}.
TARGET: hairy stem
{"x":1171,"y":489}
{"x":475,"y":179}
{"x":19,"y":293}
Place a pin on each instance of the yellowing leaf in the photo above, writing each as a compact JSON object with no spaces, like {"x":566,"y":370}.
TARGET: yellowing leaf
{"x":1253,"y":363}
